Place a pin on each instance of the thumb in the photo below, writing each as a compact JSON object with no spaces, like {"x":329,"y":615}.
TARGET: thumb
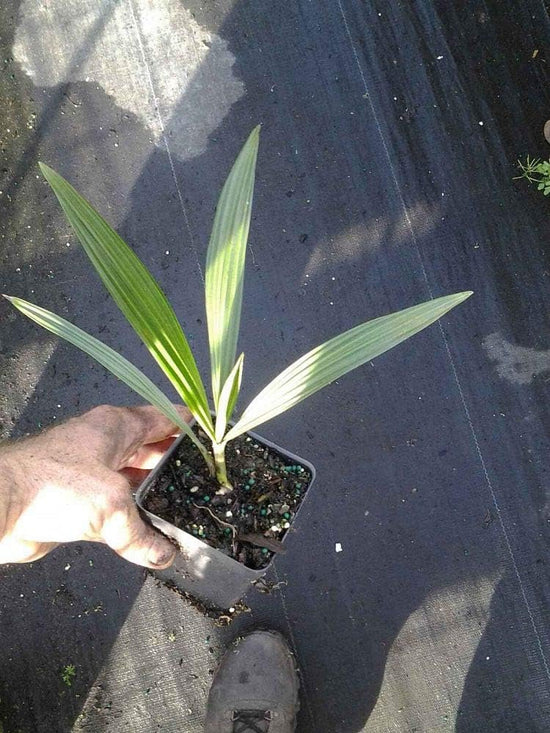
{"x":134,"y":540}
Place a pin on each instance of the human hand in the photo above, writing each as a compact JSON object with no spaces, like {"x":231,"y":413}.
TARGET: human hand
{"x":73,"y":482}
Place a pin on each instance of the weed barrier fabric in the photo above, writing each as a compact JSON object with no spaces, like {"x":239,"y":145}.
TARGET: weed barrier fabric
{"x":415,"y":588}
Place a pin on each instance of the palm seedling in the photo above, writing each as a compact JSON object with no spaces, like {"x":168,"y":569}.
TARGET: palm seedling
{"x":147,"y":309}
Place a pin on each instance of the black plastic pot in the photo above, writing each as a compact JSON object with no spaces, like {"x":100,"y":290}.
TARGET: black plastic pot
{"x":200,"y":570}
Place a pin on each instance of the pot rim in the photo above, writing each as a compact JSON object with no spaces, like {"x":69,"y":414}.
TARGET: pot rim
{"x":163,"y":524}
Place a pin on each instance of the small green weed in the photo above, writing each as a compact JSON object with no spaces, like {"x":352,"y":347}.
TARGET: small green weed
{"x":68,"y":673}
{"x":536,"y":171}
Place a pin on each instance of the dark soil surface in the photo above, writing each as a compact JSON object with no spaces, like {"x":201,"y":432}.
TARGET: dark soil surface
{"x":249,"y":522}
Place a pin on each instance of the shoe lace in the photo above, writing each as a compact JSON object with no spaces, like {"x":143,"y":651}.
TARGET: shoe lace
{"x":249,"y":721}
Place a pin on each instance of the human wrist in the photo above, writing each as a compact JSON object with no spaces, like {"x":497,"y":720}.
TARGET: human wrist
{"x":10,"y":490}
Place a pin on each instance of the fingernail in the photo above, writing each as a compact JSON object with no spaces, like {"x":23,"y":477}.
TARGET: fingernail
{"x":161,"y":556}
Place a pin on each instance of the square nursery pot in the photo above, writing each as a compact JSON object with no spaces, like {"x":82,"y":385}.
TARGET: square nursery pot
{"x":200,"y":570}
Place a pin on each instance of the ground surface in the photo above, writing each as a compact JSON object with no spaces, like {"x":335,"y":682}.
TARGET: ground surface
{"x":390,"y":135}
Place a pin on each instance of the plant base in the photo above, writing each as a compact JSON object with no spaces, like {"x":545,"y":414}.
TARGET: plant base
{"x":226,"y":541}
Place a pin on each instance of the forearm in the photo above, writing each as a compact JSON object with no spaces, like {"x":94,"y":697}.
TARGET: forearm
{"x":27,"y":483}
{"x":11,"y":497}
{"x":7,"y":489}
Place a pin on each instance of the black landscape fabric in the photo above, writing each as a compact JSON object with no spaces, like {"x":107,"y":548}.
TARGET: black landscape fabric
{"x":415,"y":587}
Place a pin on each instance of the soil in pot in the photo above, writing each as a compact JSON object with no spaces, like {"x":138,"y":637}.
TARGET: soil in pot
{"x":247,"y":524}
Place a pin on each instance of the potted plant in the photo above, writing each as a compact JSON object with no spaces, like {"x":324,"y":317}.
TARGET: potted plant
{"x":228,"y":519}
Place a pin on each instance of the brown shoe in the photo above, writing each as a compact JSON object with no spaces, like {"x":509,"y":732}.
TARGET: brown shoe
{"x":255,"y":689}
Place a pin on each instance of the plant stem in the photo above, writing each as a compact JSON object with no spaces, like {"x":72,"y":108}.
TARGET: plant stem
{"x":207,"y":457}
{"x":200,"y":446}
{"x":221,"y":471}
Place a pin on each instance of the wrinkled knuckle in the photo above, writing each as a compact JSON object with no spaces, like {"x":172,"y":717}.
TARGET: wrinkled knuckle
{"x":113,"y":505}
{"x":104,"y":413}
{"x":113,"y":497}
{"x":118,"y":529}
{"x":138,"y":416}
{"x":117,"y":501}
{"x":129,"y":530}
{"x":101,"y":419}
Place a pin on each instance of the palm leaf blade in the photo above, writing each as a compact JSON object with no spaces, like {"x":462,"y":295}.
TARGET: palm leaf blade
{"x":136,"y":293}
{"x":228,"y":398}
{"x":331,"y":360}
{"x":225,"y":263}
{"x":107,"y":357}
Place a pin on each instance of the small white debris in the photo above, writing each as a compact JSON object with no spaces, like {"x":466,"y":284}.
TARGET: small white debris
{"x":194,"y":489}
{"x":480,"y":123}
{"x":228,"y":513}
{"x":67,"y":566}
{"x":338,"y":547}
{"x":439,"y":58}
{"x":167,"y":252}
